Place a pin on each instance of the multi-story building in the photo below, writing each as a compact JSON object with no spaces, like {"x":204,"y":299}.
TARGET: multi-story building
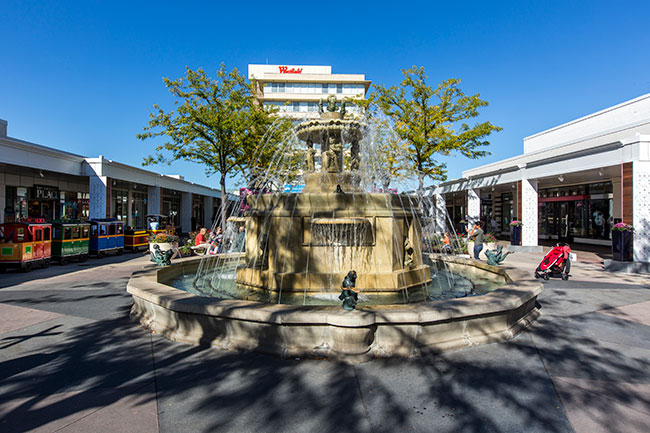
{"x":572,"y":183}
{"x":297,"y":89}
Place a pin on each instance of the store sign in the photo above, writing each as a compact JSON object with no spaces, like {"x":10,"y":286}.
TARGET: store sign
{"x":42,"y":192}
{"x":286,"y":70}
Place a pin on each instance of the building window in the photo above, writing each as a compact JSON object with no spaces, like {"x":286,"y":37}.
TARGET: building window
{"x":324,"y":88}
{"x":339,"y":88}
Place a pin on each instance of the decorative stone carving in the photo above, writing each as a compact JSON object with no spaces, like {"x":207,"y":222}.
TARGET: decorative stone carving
{"x":348,"y":295}
{"x":354,"y":155}
{"x":331,"y":103}
{"x":496,"y":257}
{"x":310,"y":157}
{"x":409,"y":253}
{"x":161,"y":258}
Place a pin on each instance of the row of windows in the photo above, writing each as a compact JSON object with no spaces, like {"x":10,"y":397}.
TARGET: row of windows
{"x":304,"y":107}
{"x":332,"y":88}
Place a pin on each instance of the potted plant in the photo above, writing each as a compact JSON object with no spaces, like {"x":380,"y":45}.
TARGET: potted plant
{"x":462,"y":227}
{"x":165,"y":241}
{"x":622,"y":242}
{"x":489,"y":241}
{"x":515,"y":232}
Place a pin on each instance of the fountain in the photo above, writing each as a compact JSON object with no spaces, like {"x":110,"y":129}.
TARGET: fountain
{"x":358,"y":255}
{"x":321,"y":234}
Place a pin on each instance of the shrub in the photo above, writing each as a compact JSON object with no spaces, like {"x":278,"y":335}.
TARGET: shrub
{"x":163,"y":238}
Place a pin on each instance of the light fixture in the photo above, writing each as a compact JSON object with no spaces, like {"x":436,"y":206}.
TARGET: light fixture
{"x":493,"y":189}
{"x":513,"y":186}
{"x":600,"y":173}
{"x":560,"y":178}
{"x":40,"y":173}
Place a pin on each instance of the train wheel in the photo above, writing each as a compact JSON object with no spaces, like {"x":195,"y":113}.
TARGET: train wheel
{"x":83,"y":257}
{"x":63,"y":261}
{"x":27,"y":267}
{"x":46,"y":263}
{"x":100,"y":254}
{"x":120,"y":251}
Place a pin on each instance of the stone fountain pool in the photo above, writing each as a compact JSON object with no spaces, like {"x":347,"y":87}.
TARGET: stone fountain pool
{"x":281,"y":295}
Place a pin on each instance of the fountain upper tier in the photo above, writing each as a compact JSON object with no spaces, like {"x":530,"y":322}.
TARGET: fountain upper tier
{"x":331,"y":132}
{"x":331,"y":125}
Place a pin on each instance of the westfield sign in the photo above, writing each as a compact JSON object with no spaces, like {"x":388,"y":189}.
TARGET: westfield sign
{"x":286,"y":70}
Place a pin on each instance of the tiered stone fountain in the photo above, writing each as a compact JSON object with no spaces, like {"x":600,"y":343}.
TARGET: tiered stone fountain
{"x":308,"y":242}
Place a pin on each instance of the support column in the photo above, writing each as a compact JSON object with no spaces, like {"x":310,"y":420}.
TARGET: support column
{"x":3,"y":195}
{"x":129,"y":208}
{"x":186,"y":212}
{"x":207,"y":211}
{"x":99,"y":197}
{"x":617,"y":200}
{"x":440,"y":213}
{"x":473,"y":206}
{"x":154,"y":200}
{"x":529,"y":212}
{"x":641,"y":210}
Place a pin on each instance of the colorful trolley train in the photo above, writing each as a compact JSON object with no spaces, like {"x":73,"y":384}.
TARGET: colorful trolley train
{"x":70,"y":240}
{"x":106,"y":237}
{"x":25,"y":244}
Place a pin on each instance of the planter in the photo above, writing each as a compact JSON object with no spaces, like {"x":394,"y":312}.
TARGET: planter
{"x":515,"y":235}
{"x":622,"y":245}
{"x":488,"y":246}
{"x":164,"y":246}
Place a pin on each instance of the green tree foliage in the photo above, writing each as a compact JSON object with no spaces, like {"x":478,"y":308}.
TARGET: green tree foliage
{"x":433,"y":122}
{"x":217,"y":124}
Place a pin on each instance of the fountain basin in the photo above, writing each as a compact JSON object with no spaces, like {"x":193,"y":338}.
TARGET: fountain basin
{"x":325,"y":331}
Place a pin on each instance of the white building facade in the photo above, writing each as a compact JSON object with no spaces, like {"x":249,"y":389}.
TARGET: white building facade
{"x":572,"y":183}
{"x":297,"y":89}
{"x":42,"y":182}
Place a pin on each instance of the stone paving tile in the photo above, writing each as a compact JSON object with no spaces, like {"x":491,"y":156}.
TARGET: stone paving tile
{"x":72,"y":353}
{"x":213,"y":390}
{"x":125,"y":409}
{"x":12,"y":317}
{"x":492,"y":388}
{"x":591,"y":411}
{"x":639,"y":312}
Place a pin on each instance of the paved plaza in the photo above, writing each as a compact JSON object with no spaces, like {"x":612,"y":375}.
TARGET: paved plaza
{"x":72,"y":361}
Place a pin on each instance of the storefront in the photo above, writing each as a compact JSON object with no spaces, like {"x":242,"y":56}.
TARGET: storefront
{"x":577,"y":213}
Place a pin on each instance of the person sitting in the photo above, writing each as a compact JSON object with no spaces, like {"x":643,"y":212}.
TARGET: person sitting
{"x":200,"y":241}
{"x":446,"y":247}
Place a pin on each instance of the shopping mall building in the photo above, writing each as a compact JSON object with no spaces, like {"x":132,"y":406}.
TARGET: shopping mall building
{"x":297,"y":89}
{"x":41,"y":182}
{"x":572,"y":182}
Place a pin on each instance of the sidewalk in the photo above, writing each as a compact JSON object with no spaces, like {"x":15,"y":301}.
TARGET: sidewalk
{"x":71,"y":361}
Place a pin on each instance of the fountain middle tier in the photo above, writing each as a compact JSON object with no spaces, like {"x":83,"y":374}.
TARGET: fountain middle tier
{"x":308,"y":242}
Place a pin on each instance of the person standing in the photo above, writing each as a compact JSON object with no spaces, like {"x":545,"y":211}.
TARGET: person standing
{"x":478,"y":234}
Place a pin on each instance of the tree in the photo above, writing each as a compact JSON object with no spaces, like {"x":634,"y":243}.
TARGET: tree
{"x":432,"y":122}
{"x":217,"y":123}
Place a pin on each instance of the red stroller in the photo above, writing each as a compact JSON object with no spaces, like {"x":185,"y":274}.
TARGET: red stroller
{"x":557,"y":261}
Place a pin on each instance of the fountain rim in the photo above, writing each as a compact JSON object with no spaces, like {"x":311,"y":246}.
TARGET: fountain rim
{"x":498,"y":300}
{"x":329,"y":331}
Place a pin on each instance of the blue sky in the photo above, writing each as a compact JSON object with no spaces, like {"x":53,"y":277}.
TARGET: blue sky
{"x":82,"y":75}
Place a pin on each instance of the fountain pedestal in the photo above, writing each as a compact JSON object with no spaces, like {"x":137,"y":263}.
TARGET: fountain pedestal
{"x":308,"y":242}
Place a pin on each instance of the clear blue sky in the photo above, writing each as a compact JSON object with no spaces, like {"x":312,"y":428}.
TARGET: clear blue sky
{"x":82,"y":75}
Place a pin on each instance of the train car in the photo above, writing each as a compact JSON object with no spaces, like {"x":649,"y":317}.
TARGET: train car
{"x":136,"y":240}
{"x":70,"y":240}
{"x":25,"y":245}
{"x":106,"y":237}
{"x":156,"y":224}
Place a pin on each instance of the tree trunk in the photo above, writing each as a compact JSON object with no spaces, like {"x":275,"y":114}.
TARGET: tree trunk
{"x":420,"y":183}
{"x":224,"y":202}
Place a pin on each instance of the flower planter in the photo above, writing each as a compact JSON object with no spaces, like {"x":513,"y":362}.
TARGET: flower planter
{"x":488,"y":246}
{"x":515,"y":235}
{"x":164,"y":246}
{"x":622,"y":245}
